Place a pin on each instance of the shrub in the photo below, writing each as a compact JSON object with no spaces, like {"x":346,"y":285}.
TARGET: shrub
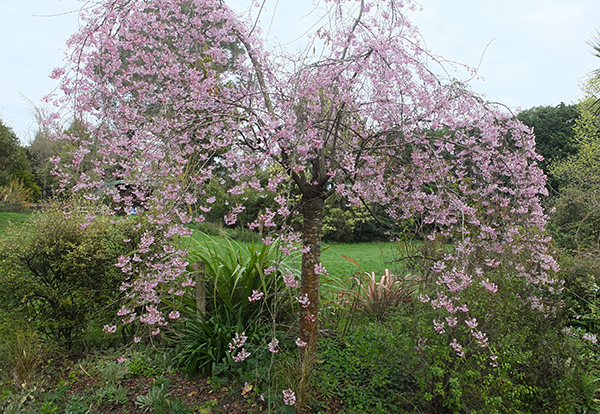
{"x":532,"y":362}
{"x":58,"y":271}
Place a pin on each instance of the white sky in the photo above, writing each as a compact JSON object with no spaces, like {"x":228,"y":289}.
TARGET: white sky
{"x":537,"y":56}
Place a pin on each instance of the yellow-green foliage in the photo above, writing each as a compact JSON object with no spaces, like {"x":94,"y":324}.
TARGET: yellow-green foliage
{"x":583,"y":168}
{"x":15,"y":196}
{"x":57,"y":270}
{"x":577,"y":216}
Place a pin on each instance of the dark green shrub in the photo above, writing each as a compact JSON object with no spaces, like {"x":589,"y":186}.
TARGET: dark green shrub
{"x":58,"y":271}
{"x":531,"y":363}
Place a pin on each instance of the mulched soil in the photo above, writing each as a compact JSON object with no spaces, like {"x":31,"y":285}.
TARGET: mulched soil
{"x":195,"y":392}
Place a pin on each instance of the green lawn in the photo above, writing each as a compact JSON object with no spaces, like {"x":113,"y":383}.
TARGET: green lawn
{"x":7,"y":218}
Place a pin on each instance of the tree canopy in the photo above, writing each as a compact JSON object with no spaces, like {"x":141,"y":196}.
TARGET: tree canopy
{"x":170,"y":106}
{"x":12,"y":157}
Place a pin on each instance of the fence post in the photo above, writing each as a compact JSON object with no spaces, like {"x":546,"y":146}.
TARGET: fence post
{"x":200,"y":270}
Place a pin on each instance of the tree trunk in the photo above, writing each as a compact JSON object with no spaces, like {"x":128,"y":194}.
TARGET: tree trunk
{"x":311,"y":238}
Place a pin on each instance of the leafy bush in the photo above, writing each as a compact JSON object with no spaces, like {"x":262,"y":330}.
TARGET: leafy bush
{"x":530,"y":364}
{"x":58,"y":271}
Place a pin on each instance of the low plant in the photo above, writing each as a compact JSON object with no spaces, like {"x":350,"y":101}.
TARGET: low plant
{"x":156,"y":400}
{"x":245,"y":293}
{"x":110,"y":394}
{"x":23,"y":355}
{"x":377,"y":296}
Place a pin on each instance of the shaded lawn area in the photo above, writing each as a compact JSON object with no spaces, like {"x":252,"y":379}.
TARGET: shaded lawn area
{"x":6,"y":219}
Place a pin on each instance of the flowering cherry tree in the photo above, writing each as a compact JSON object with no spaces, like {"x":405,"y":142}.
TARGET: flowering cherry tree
{"x":174,"y":91}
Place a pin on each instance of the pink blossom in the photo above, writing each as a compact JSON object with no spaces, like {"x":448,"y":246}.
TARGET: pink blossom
{"x":238,"y":341}
{"x":256,"y":295}
{"x":110,"y":328}
{"x":472,"y":323}
{"x":458,"y":348}
{"x":241,"y":355}
{"x":320,"y":269}
{"x":481,"y":338}
{"x":439,"y":327}
{"x":303,"y":300}
{"x":492,"y":287}
{"x":300,"y":343}
{"x":274,"y":346}
{"x":289,"y":398}
{"x":290,"y":280}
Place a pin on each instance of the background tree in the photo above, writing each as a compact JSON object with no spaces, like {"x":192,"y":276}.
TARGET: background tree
{"x":12,"y":157}
{"x":577,"y":210}
{"x":365,"y":118}
{"x":553,"y":127}
{"x":14,"y":165}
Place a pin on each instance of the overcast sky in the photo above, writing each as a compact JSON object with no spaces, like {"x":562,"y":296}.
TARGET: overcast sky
{"x":536,"y":49}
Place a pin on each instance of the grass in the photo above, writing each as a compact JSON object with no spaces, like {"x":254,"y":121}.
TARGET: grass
{"x":6,"y":219}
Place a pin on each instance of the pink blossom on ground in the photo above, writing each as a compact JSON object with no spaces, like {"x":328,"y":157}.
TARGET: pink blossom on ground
{"x":246,"y":389}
